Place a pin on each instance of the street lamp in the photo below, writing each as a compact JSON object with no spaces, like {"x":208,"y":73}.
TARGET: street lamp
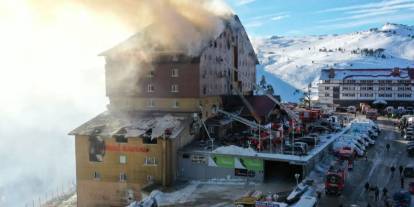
{"x":297,"y":175}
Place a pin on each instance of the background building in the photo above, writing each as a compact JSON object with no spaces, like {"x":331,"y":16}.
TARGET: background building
{"x":353,"y":86}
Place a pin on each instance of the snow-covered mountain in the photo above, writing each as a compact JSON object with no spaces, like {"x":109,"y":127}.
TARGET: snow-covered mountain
{"x":297,"y":61}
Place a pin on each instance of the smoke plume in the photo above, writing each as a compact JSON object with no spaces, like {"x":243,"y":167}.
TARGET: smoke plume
{"x":51,"y":79}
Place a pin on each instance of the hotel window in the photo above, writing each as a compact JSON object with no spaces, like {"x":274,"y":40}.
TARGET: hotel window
{"x":175,"y":104}
{"x":150,"y":88}
{"x":122,"y":159}
{"x":326,"y":94}
{"x":96,"y":176}
{"x":150,"y":161}
{"x":151,"y":103}
{"x":122,"y":177}
{"x":174,"y":72}
{"x":174,"y":88}
{"x":151,"y":74}
{"x":327,"y":88}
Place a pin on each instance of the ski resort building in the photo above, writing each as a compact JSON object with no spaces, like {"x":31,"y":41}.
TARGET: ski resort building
{"x":155,"y":107}
{"x":353,"y":86}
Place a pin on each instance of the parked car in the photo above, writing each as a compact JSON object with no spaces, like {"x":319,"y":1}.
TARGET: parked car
{"x":356,"y":137}
{"x":296,"y":149}
{"x":312,"y":141}
{"x":338,"y":145}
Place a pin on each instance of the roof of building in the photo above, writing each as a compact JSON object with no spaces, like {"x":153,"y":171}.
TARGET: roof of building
{"x":261,"y":104}
{"x":136,"y":124}
{"x":368,"y":74}
{"x":135,"y":42}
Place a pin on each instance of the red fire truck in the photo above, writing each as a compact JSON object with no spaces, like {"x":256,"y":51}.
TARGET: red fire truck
{"x":335,"y":178}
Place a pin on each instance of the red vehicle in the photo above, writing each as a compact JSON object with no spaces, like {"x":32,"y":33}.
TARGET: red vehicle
{"x":347,"y":153}
{"x":310,"y":115}
{"x":335,"y":179}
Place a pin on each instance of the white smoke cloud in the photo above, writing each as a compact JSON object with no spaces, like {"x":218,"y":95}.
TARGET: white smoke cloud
{"x":51,"y":79}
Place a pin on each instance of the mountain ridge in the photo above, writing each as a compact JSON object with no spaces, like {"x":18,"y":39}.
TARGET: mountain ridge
{"x":298,"y":60}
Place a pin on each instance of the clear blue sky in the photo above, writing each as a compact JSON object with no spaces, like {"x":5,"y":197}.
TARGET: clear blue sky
{"x":314,"y":17}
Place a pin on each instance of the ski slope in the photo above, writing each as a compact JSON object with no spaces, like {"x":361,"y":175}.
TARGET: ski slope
{"x":297,"y":61}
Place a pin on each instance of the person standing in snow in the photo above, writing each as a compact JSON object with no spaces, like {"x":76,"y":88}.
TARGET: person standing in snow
{"x":392,"y":171}
{"x":384,"y":193}
{"x":402,"y":182}
{"x":388,"y":147}
{"x":376,"y":193}
{"x":366,"y":187}
{"x":401,"y":168}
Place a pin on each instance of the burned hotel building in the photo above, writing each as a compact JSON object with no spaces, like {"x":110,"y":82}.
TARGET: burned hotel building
{"x":155,"y":107}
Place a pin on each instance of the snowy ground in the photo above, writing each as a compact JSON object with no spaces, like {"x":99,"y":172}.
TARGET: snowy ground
{"x":376,"y":170}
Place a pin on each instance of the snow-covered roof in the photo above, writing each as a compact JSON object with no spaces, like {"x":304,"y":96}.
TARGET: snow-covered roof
{"x":110,"y":123}
{"x":368,"y":74}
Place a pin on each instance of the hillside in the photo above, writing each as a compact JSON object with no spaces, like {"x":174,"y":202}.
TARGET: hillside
{"x":297,"y":61}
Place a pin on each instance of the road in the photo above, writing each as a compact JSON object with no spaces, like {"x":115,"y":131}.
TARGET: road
{"x":376,"y":170}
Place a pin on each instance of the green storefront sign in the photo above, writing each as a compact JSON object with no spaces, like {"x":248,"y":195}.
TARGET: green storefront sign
{"x":252,"y":164}
{"x":224,"y":161}
{"x":229,"y":162}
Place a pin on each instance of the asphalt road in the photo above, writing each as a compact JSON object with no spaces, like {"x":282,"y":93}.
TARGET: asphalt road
{"x":376,"y":171}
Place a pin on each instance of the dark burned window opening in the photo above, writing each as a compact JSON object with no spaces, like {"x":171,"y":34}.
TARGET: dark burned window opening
{"x":96,"y":148}
{"x":146,"y":138}
{"x":120,"y":136}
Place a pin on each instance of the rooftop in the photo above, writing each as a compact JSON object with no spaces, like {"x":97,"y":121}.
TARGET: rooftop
{"x":368,"y":74}
{"x":135,"y":124}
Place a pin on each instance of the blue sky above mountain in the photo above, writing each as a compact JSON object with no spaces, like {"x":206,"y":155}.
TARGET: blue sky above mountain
{"x":315,"y":17}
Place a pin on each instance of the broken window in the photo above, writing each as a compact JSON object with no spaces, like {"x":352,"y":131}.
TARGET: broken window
{"x":120,"y":138}
{"x":96,"y":148}
{"x":146,"y":138}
